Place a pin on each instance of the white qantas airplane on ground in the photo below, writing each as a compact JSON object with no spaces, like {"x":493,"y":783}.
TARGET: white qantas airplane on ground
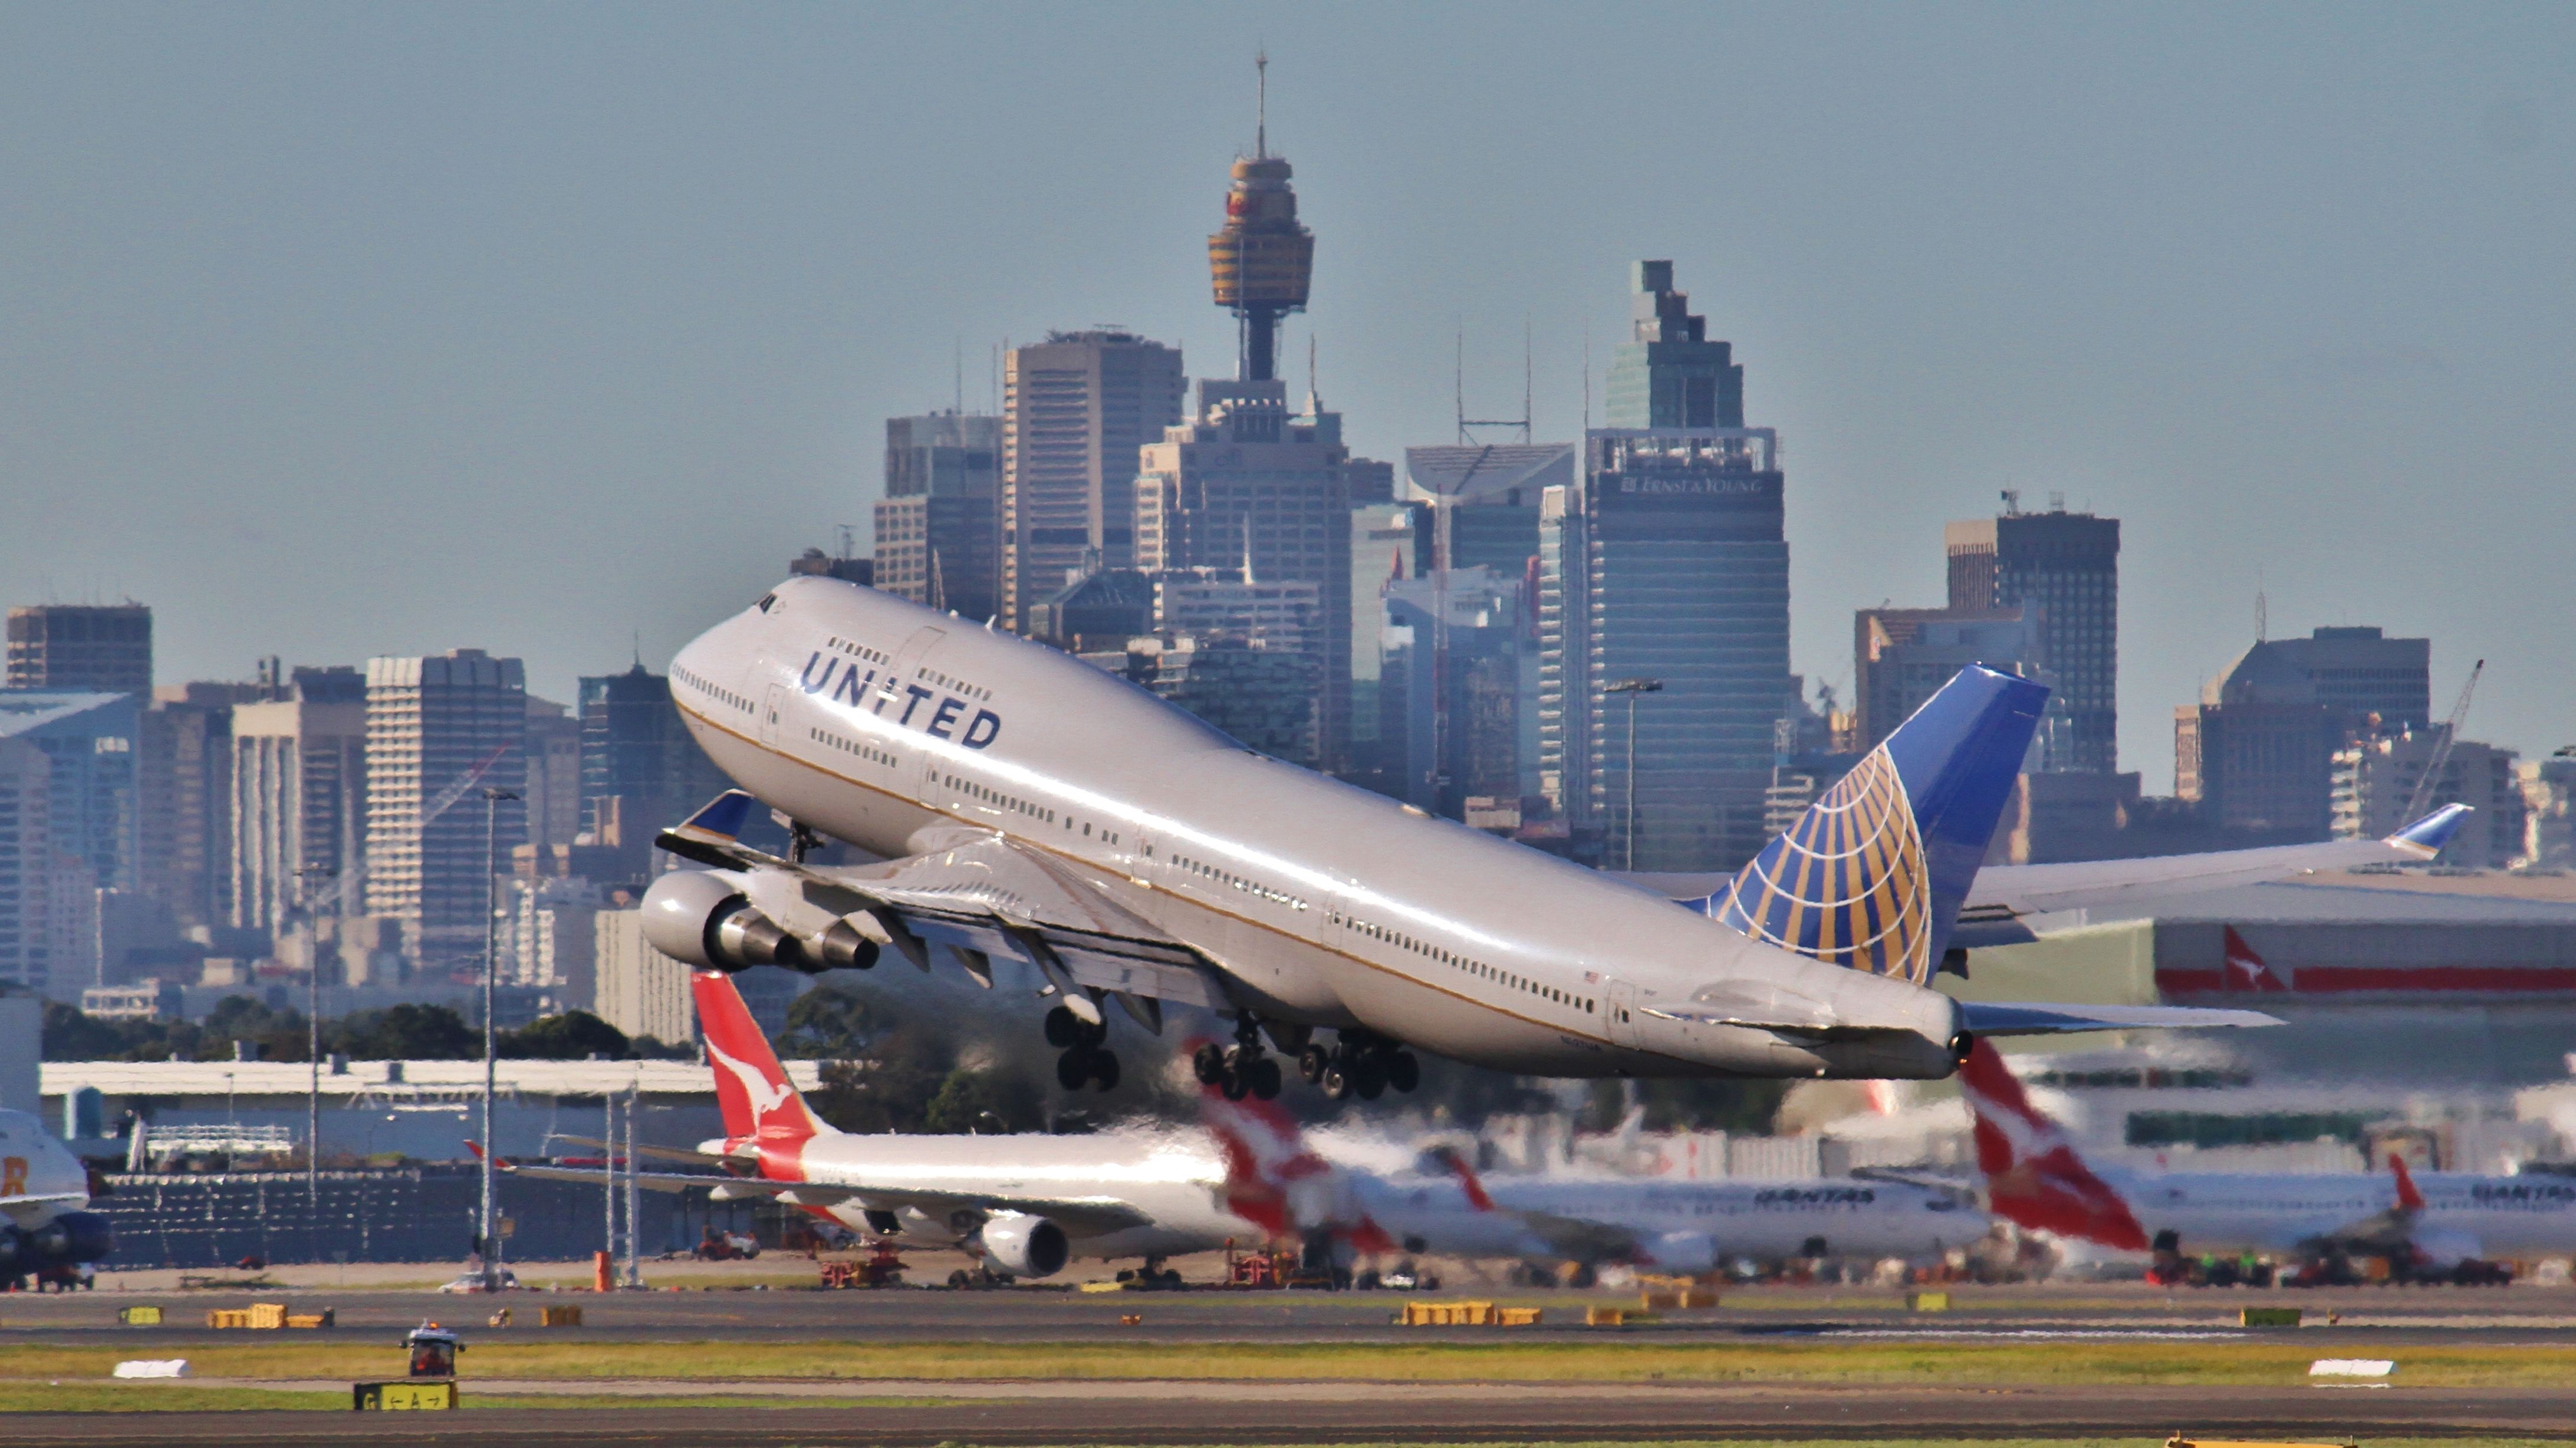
{"x":45,"y":1224}
{"x":1031,"y":806}
{"x":1027,"y":1204}
{"x":2442,"y":1224}
{"x":1688,"y":1226}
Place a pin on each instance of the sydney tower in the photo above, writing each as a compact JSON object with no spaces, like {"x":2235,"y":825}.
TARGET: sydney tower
{"x":1262,"y":259}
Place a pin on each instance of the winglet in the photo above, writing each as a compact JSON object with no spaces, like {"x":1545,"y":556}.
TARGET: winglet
{"x":2408,"y":1196}
{"x":2425,"y":838}
{"x":722,"y":818}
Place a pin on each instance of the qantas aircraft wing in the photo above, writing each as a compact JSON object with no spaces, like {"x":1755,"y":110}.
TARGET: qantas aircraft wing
{"x":979,"y":896}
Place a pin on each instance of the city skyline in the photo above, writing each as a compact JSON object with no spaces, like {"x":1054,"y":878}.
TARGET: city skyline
{"x":547,"y":399}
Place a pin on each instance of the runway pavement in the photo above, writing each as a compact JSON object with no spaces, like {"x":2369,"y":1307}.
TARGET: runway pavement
{"x":1173,"y":1413}
{"x":2532,"y":1315}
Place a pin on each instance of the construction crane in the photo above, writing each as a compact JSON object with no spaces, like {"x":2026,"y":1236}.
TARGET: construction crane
{"x":2425,"y":786}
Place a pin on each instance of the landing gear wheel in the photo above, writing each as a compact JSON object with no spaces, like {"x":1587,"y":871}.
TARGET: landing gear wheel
{"x":1336,"y":1082}
{"x":1313,"y":1062}
{"x":1064,"y":1029}
{"x":1403,"y":1071}
{"x":1073,"y":1068}
{"x":1265,"y":1078}
{"x":1209,"y":1062}
{"x":1236,"y":1085}
{"x":1368,"y":1076}
{"x":1104,"y":1069}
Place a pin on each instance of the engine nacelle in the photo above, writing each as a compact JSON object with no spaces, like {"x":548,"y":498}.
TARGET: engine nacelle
{"x":70,"y":1238}
{"x":1691,"y":1252}
{"x":1025,"y":1246}
{"x":700,"y":919}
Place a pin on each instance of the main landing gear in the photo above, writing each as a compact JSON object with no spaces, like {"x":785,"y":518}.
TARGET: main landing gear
{"x":1240,"y":1070}
{"x":1084,"y":1058}
{"x":1363,"y":1064}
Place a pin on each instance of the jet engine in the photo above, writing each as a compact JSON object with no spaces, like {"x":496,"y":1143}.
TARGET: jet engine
{"x":71,"y":1237}
{"x":1679,"y":1252}
{"x":1024,"y":1246}
{"x":698,"y":917}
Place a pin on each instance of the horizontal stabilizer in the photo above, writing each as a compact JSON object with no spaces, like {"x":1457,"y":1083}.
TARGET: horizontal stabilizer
{"x":2041,"y":1018}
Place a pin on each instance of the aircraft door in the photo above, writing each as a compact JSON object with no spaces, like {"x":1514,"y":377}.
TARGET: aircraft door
{"x":771,"y":708}
{"x":891,"y":703}
{"x":1619,"y":1003}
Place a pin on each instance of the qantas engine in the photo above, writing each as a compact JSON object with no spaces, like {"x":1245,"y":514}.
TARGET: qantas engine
{"x":1025,"y":1246}
{"x":698,"y":917}
{"x":1692,"y":1252}
{"x":70,"y":1238}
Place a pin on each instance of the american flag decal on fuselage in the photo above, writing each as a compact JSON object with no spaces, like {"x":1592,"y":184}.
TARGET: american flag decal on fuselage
{"x":1848,"y":884}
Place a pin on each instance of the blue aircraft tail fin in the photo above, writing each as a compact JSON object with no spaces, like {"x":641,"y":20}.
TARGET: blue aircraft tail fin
{"x":1873,"y":874}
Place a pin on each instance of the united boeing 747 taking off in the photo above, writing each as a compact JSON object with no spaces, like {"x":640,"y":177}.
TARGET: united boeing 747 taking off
{"x":1027,"y":805}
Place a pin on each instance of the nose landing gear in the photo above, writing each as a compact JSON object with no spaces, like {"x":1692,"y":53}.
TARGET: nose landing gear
{"x":1240,"y":1070}
{"x":1084,"y":1060}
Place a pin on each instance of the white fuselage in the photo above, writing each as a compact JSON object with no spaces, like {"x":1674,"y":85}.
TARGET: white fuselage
{"x":2502,"y":1217}
{"x":1767,"y":1221}
{"x":1172,"y":1177}
{"x":40,"y":1179}
{"x":883,"y":723}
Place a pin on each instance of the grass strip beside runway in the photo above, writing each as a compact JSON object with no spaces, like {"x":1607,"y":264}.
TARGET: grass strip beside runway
{"x":2056,"y":1363}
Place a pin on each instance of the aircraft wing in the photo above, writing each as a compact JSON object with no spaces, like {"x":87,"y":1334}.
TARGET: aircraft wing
{"x":2012,"y":904}
{"x":42,"y":1199}
{"x":2042,"y":1018}
{"x":979,"y":895}
{"x":2007,"y":897}
{"x":1081,"y":1216}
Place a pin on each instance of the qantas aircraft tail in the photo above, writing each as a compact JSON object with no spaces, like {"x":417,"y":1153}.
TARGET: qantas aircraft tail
{"x":1873,"y":874}
{"x":2034,"y":1177}
{"x":1276,"y":1182}
{"x":760,"y":1105}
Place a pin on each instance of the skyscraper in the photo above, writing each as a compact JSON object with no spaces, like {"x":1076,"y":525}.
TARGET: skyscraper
{"x":26,"y":865}
{"x":2065,"y":567}
{"x":442,"y":729}
{"x":938,"y":528}
{"x":1075,"y":409}
{"x":2256,"y":752}
{"x":1665,"y":560}
{"x":81,"y":647}
{"x":640,"y":770}
{"x":1668,"y":374}
{"x":1902,"y":656}
{"x":1252,"y":491}
{"x":90,"y":740}
{"x":298,"y":800}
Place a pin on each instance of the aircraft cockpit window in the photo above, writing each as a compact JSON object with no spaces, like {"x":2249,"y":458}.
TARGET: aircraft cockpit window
{"x":766,"y":600}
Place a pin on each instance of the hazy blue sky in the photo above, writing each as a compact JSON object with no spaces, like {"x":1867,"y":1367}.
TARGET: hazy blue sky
{"x":355,"y":329}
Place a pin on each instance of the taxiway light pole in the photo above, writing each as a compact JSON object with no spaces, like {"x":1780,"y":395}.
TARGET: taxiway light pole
{"x":313,"y":1042}
{"x":492,"y":798}
{"x":1632,"y":688}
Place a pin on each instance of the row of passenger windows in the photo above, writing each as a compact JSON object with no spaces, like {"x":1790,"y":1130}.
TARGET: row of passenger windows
{"x":860,"y":748}
{"x":973,"y":790}
{"x":1248,"y":886}
{"x":860,"y":650}
{"x":999,"y":800}
{"x":1476,"y":968}
{"x":702,"y":686}
{"x":956,"y":686}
